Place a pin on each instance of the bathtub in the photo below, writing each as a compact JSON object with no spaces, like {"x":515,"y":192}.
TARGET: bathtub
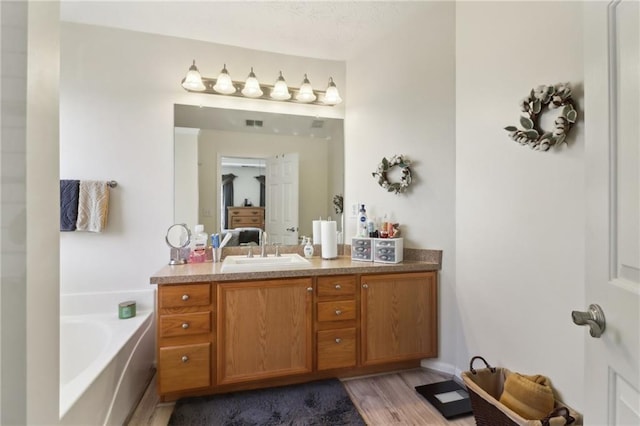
{"x":105,"y":362}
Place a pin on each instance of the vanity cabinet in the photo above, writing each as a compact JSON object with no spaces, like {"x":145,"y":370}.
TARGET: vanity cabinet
{"x":246,"y":217}
{"x":399,"y":319}
{"x":336,"y":322}
{"x":224,"y":336}
{"x":185,"y":314}
{"x":264,"y":329}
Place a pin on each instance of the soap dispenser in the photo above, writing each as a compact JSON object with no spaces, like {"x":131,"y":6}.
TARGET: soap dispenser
{"x":308,"y":248}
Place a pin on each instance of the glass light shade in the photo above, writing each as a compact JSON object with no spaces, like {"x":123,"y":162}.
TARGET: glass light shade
{"x":252,"y":86}
{"x":331,"y":96}
{"x":305,"y":94}
{"x":224,"y":84}
{"x":193,"y":79}
{"x":280,"y":91}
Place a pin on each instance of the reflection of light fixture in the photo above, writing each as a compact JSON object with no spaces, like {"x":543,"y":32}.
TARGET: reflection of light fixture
{"x":193,"y":79}
{"x":280,"y":91}
{"x":305,"y":94}
{"x":331,"y":96}
{"x":224,"y":84}
{"x":251,"y":88}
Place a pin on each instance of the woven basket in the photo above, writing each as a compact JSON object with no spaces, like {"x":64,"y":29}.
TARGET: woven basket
{"x":485,"y":387}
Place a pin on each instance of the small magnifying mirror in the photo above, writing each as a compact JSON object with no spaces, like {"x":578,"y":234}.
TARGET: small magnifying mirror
{"x":178,"y":238}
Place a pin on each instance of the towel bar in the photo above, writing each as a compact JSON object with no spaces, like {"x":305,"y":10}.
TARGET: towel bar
{"x":112,"y":183}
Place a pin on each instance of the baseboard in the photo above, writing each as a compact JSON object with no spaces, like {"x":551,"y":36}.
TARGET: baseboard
{"x":442,"y":367}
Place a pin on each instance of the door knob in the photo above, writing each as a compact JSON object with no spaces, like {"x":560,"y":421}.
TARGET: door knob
{"x":594,"y":318}
{"x":292,"y":229}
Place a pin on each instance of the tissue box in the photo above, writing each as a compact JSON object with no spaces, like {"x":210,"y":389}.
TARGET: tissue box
{"x":387,"y":250}
{"x":361,"y":249}
{"x":382,"y":250}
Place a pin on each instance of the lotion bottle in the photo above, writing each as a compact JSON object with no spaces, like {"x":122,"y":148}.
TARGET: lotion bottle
{"x":362,"y":222}
{"x":308,"y":248}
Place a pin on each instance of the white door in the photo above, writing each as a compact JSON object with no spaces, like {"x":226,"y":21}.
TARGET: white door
{"x":281,"y":214}
{"x":612,"y":138}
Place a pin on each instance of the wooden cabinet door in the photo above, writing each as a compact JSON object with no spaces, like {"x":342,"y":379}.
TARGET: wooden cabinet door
{"x":399,"y":317}
{"x":264,"y":329}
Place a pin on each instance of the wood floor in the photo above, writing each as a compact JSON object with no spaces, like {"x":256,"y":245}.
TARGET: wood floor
{"x":386,"y":399}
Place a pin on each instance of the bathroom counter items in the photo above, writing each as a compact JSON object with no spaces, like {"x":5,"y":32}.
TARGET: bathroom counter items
{"x":430,"y":260}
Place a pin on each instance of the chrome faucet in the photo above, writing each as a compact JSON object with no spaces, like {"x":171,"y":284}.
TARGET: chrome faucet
{"x":263,"y":244}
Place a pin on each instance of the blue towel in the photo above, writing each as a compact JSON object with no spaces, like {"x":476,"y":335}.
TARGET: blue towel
{"x":69,"y":193}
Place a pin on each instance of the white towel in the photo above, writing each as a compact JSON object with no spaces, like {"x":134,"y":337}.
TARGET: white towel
{"x":93,"y":206}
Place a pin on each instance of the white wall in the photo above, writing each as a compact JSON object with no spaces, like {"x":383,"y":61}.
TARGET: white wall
{"x":519,"y":214}
{"x":401,"y":101}
{"x":185,"y":190}
{"x":29,"y":209}
{"x":118,"y":89}
{"x":13,"y":319}
{"x":43,"y":212}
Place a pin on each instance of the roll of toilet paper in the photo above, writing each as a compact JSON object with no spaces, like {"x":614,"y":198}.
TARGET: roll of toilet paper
{"x":329,"y":237}
{"x":317,"y":231}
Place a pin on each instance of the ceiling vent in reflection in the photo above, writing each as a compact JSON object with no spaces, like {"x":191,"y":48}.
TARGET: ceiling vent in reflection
{"x":317,"y":124}
{"x":253,"y":123}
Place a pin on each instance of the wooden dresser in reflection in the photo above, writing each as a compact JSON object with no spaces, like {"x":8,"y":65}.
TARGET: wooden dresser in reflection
{"x":246,"y":217}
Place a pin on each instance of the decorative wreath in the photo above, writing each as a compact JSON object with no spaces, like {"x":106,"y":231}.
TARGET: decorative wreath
{"x":558,"y":96}
{"x":386,"y":165}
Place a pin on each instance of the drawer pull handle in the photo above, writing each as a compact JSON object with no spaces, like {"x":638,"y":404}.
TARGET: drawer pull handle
{"x":365,"y":285}
{"x":338,"y":312}
{"x":309,"y":289}
{"x":338,"y":340}
{"x":184,"y":358}
{"x":185,"y":297}
{"x":185,"y":325}
{"x":338,"y":286}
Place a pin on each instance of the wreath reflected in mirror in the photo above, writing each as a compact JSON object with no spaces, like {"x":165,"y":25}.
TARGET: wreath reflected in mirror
{"x":386,"y":166}
{"x":551,"y":97}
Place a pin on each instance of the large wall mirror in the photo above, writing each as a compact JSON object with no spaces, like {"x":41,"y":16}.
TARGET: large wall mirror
{"x":286,"y":167}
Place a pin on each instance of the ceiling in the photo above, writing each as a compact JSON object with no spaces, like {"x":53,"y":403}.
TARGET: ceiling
{"x":334,"y":30}
{"x":235,"y":120}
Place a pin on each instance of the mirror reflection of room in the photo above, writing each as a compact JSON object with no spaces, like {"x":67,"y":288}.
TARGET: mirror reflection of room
{"x":215,"y":146}
{"x":242,"y":198}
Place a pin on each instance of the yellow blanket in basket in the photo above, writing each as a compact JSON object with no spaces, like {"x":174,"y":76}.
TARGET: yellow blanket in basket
{"x":529,"y":396}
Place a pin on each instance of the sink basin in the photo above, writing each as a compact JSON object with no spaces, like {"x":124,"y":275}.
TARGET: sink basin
{"x":257,"y":263}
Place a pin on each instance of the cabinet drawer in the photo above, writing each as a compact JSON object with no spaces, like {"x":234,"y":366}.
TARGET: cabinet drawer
{"x":337,"y":311}
{"x":185,"y":324}
{"x":245,"y":212}
{"x":337,"y":286}
{"x":184,"y":367}
{"x":180,"y":296}
{"x":336,"y":348}
{"x":240,"y":221}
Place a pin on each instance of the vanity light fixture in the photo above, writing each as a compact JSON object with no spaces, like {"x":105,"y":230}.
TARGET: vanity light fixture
{"x":306,"y":92}
{"x":332,"y":97}
{"x":280,"y":91}
{"x":252,"y":88}
{"x":224,"y":84}
{"x":193,"y":79}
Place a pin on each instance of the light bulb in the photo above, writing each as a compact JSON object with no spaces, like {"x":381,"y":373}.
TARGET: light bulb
{"x":193,"y":79}
{"x":305,"y":94}
{"x":331,"y":96}
{"x":224,"y":84}
{"x":252,"y":86}
{"x":280,"y":91}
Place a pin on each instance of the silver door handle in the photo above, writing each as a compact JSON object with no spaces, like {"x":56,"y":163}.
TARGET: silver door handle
{"x":594,"y":318}
{"x":292,"y":229}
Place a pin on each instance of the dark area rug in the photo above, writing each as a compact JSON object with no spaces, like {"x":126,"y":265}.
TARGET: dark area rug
{"x":324,"y":402}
